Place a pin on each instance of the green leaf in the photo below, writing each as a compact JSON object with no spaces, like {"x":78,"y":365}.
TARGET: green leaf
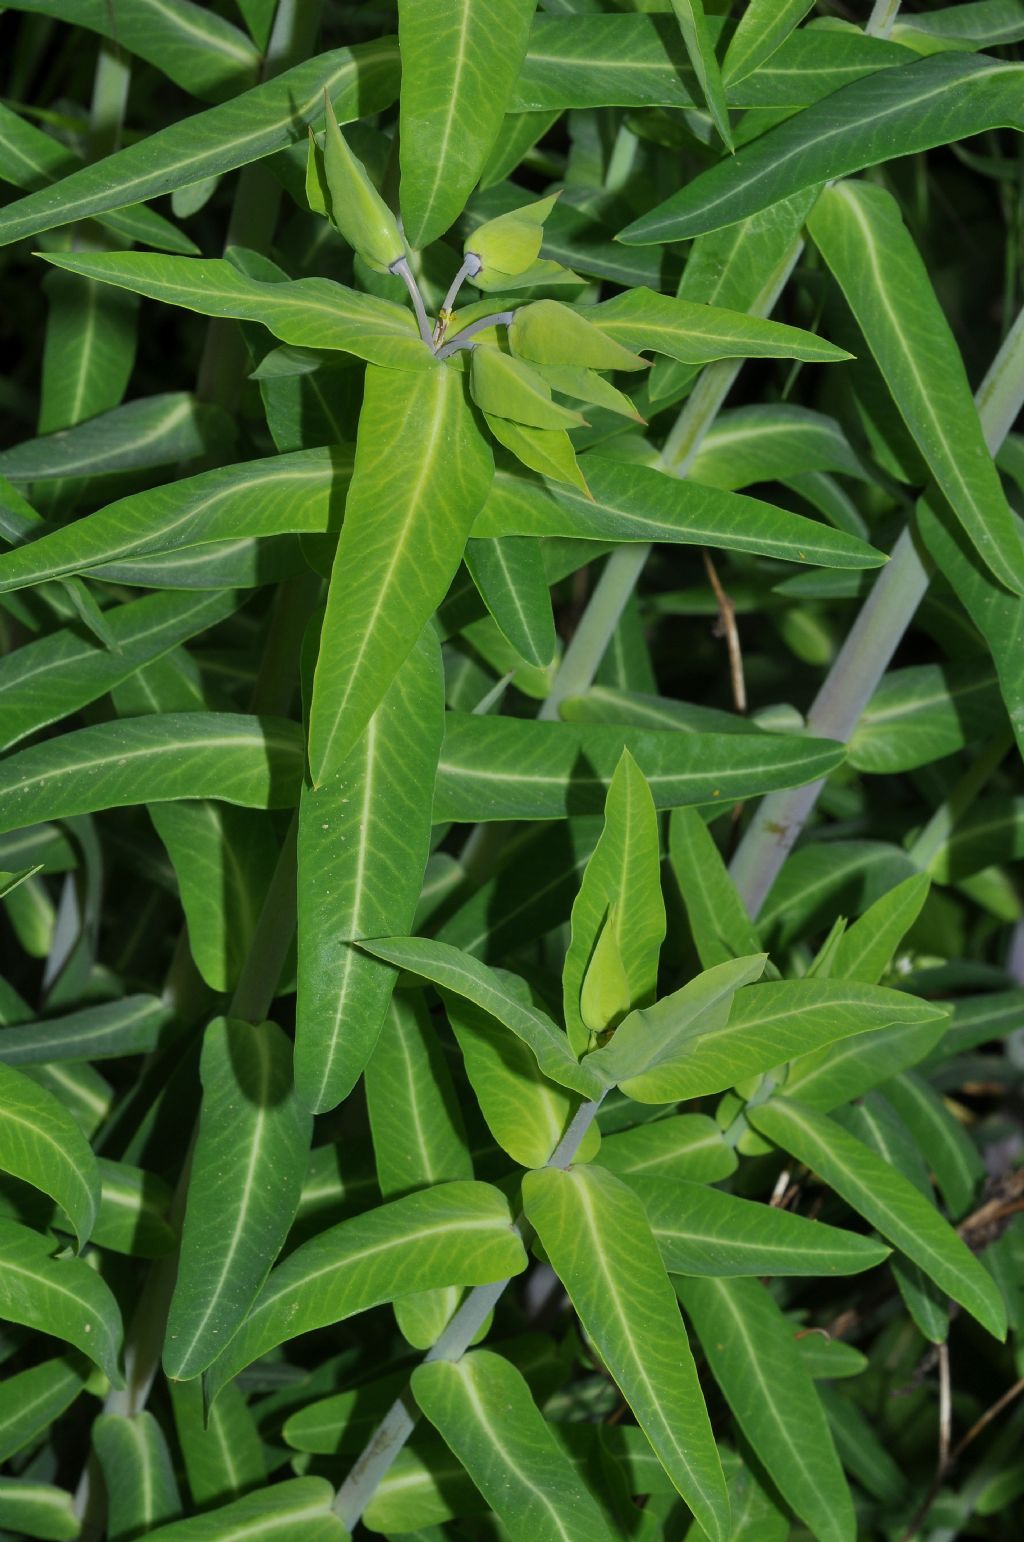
{"x":299,"y":1508}
{"x":548,"y":451}
{"x":825,"y":1078}
{"x":154,"y":431}
{"x":42,"y":1144}
{"x":525,"y":1111}
{"x":548,"y":332}
{"x":505,"y":387}
{"x":886,"y":1199}
{"x":924,"y":713}
{"x":672,"y":1050}
{"x":89,"y":350}
{"x":288,"y":493}
{"x":191,"y":45}
{"x":638,"y":503}
{"x":686,"y":1146}
{"x":620,"y":896}
{"x":511,"y":580}
{"x":418,"y":1137}
{"x":29,"y":1509}
{"x":489,"y":990}
{"x":483,"y":1408}
{"x":510,"y":244}
{"x":247,"y":1171}
{"x":892,"y":112}
{"x":860,"y":1449}
{"x":422,"y":470}
{"x":134,"y":1206}
{"x":223,"y":858}
{"x":771,"y":444}
{"x":763,"y":26}
{"x":860,"y":233}
{"x":460,"y":59}
{"x":60,"y":1296}
{"x":255,"y":762}
{"x":867,"y":948}
{"x":452,"y":1234}
{"x":701,"y":51}
{"x":269,"y":117}
{"x":32,"y":1400}
{"x":754,"y":1359}
{"x":718,"y":920}
{"x":597,"y":1239}
{"x":308,"y":312}
{"x":221,"y":1446}
{"x":703,"y":1231}
{"x":945,"y":1145}
{"x":131,"y":1026}
{"x":138,"y":1474}
{"x":506,"y":768}
{"x":360,"y":871}
{"x":53,"y":676}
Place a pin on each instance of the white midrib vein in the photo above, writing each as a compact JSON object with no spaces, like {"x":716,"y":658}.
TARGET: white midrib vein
{"x":622,"y":1317}
{"x":440,"y":159}
{"x":211,"y":39}
{"x":241,"y":1207}
{"x":500,"y":1447}
{"x":64,"y":1160}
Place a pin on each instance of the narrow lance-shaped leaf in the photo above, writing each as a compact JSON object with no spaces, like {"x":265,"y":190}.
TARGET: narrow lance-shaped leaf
{"x":299,"y":1508}
{"x":422,"y":470}
{"x":638,"y":503}
{"x":31,"y":1509}
{"x":886,"y":1199}
{"x":686,"y":1146}
{"x":860,"y":233}
{"x":755,"y":1360}
{"x":483,"y":1408}
{"x":60,"y":1296}
{"x":487,"y":988}
{"x":271,"y":116}
{"x":705,"y":1231}
{"x":138,"y":1474}
{"x":131,"y":1026}
{"x":247,"y":1171}
{"x":220,"y":1446}
{"x":363,"y":842}
{"x":891,"y":112}
{"x":701,"y":49}
{"x":137,"y":436}
{"x":719,"y":923}
{"x":762,"y":27}
{"x":314,"y":312}
{"x":418,"y":1136}
{"x":510,"y":577}
{"x":42,"y":1144}
{"x":451,"y":1234}
{"x":620,"y":897}
{"x":597,"y":1239}
{"x":460,"y":59}
{"x":32,"y":1400}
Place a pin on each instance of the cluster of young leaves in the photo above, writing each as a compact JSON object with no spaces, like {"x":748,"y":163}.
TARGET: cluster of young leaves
{"x":371,"y":762}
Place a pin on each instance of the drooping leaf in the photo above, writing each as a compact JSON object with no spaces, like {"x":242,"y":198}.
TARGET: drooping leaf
{"x":60,"y":1296}
{"x":131,"y":1026}
{"x":41,"y":1143}
{"x":701,"y":51}
{"x":249,"y":1163}
{"x":29,"y":1509}
{"x":32,"y":1400}
{"x":510,"y":577}
{"x":138,"y":1474}
{"x":599,"y":1243}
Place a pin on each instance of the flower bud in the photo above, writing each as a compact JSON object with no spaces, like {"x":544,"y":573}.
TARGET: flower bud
{"x":356,"y":208}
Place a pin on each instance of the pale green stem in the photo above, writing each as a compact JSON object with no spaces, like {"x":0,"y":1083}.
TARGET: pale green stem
{"x":398,"y":1423}
{"x":868,"y":650}
{"x":109,"y":100}
{"x":590,"y":641}
{"x":882,"y":18}
{"x":402,"y":268}
{"x":948,"y":815}
{"x":470,"y":268}
{"x":464,"y":339}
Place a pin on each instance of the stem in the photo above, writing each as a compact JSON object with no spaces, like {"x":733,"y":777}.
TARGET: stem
{"x":583,"y":656}
{"x":883,"y":15}
{"x":399,"y":1421}
{"x":402,"y":268}
{"x":470,"y":268}
{"x":463,"y":339}
{"x":868,"y":649}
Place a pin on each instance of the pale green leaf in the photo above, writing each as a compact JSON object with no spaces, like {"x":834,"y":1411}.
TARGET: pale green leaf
{"x":686,"y":1146}
{"x":719,"y":923}
{"x":140,"y":435}
{"x":510,"y":577}
{"x":597,"y":1239}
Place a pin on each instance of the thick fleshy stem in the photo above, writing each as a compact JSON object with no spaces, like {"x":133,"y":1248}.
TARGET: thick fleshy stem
{"x":402,"y":268}
{"x":400,"y":1420}
{"x":464,"y":339}
{"x":868,"y":650}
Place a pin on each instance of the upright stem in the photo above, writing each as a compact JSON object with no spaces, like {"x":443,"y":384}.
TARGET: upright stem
{"x":868,"y":650}
{"x":400,"y":1420}
{"x":883,"y":15}
{"x":590,"y":641}
{"x":402,"y":268}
